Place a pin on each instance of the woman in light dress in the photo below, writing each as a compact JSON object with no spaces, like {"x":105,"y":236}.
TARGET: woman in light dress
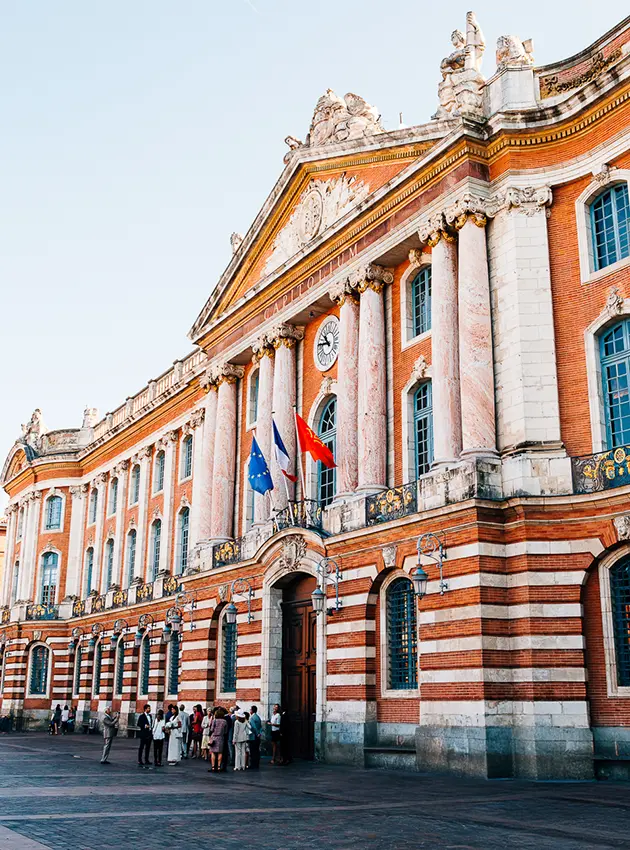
{"x":158,"y":737}
{"x":205,"y":737}
{"x":175,"y":739}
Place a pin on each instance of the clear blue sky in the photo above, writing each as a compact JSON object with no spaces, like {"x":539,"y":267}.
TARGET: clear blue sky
{"x":136,"y":136}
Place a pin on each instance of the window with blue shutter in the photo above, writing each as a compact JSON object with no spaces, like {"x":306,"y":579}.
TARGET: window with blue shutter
{"x":421,"y":301}
{"x":327,"y":431}
{"x":77,"y":670}
{"x":620,"y":603}
{"x":131,"y":555}
{"x":50,"y":576}
{"x":610,"y":214}
{"x":120,"y":665}
{"x":145,"y":665}
{"x":93,"y":507}
{"x":53,"y":513}
{"x":615,"y":365}
{"x":134,"y":489}
{"x":156,"y":535}
{"x":40,"y":656}
{"x":229,"y":656}
{"x":401,"y":636}
{"x":109,"y":564}
{"x":187,"y":457}
{"x":184,"y":526}
{"x":423,"y":428}
{"x":158,"y":472}
{"x":98,"y":660}
{"x":113,"y":496}
{"x":173,"y":665}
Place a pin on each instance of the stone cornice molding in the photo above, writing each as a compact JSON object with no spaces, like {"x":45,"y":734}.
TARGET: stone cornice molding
{"x":371,"y":276}
{"x":285,"y":335}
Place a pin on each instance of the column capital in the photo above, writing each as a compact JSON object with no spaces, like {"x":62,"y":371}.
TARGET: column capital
{"x":208,"y":380}
{"x":142,"y":454}
{"x":11,"y":509}
{"x":522,"y":199}
{"x":197,"y":418}
{"x":469,"y":206}
{"x":263,"y":347}
{"x":79,"y":491}
{"x":101,"y":479}
{"x":372,"y":277}
{"x":35,"y":496}
{"x":285,"y":335}
{"x":432,"y":231}
{"x":121,"y":467}
{"x":342,"y":291}
{"x":227,"y":373}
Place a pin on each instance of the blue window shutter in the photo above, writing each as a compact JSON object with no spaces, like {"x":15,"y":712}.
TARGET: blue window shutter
{"x":401,"y":635}
{"x":423,"y":428}
{"x":327,"y":430}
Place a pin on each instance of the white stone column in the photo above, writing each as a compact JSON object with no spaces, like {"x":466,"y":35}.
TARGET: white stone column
{"x":122,"y":473}
{"x":200,"y":477}
{"x":143,"y":457}
{"x":7,"y":578}
{"x":101,"y":488}
{"x":224,"y":468}
{"x":475,"y":331}
{"x":201,"y":512}
{"x":28,"y":562}
{"x":347,"y":390}
{"x":372,"y":398}
{"x":75,"y":545}
{"x":283,"y":339}
{"x":169,"y":445}
{"x":264,"y":356}
{"x":23,"y":587}
{"x":445,"y":382}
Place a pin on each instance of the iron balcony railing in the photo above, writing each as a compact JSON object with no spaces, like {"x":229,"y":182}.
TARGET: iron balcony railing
{"x":391,"y":504}
{"x":603,"y":471}
{"x":229,"y":552}
{"x":306,"y":513}
{"x":42,"y":612}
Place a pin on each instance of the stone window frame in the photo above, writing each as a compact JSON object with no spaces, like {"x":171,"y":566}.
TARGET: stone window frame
{"x":609,"y":316}
{"x":606,"y":179}
{"x":218,"y":677}
{"x":180,"y":568}
{"x":96,"y":684}
{"x":77,"y":675}
{"x":118,"y":694}
{"x":245,"y":493}
{"x":109,"y":539}
{"x":187,"y":439}
{"x":48,"y":549}
{"x":613,"y":689}
{"x":327,"y":391}
{"x":49,"y":495}
{"x":408,"y":453}
{"x":141,"y":691}
{"x":93,"y":500}
{"x":29,"y":670}
{"x":250,"y":422}
{"x":385,"y":691}
{"x":407,"y":338}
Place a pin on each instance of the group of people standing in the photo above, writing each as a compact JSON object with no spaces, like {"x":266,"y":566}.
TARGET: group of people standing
{"x":222,"y":737}
{"x":62,"y":720}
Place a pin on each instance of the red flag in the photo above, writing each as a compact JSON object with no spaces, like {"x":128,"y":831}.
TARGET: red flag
{"x":310,"y":442}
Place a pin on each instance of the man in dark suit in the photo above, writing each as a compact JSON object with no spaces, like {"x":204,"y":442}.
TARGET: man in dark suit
{"x":145,"y":727}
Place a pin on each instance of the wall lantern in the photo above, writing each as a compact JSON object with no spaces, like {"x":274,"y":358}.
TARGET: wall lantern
{"x":230,"y":613}
{"x":145,"y":625}
{"x":120,"y":627}
{"x":240,"y":587}
{"x":327,"y":571}
{"x":432,"y":547}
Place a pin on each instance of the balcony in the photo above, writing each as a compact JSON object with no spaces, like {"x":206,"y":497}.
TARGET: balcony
{"x":306,"y":513}
{"x":42,"y":612}
{"x":603,"y":471}
{"x":230,"y":552}
{"x":390,"y":504}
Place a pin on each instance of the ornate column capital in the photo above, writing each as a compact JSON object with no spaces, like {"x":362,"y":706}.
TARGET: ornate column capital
{"x":208,"y":381}
{"x":79,"y":491}
{"x":341,"y":292}
{"x":528,"y":200}
{"x":11,"y":509}
{"x":35,"y":496}
{"x":197,"y":418}
{"x":431,"y":232}
{"x":372,"y":277}
{"x":100,"y":479}
{"x":263,"y":347}
{"x":121,"y":467}
{"x":141,"y":454}
{"x":228,"y":373}
{"x":285,"y":335}
{"x":469,"y":206}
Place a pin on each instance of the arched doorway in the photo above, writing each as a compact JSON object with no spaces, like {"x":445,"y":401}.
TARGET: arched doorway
{"x":299,"y":662}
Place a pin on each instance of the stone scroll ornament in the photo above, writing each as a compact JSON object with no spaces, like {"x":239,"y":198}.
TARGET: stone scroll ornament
{"x":460,"y":90}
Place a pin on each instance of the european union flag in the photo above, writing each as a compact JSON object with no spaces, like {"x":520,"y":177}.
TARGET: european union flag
{"x":259,"y":475}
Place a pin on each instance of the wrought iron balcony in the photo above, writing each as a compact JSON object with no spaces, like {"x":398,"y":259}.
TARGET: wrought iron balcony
{"x":306,"y":513}
{"x":78,"y":608}
{"x":391,"y":504}
{"x":592,"y":473}
{"x":230,"y":552}
{"x":42,"y":612}
{"x":119,"y":599}
{"x":170,"y":586}
{"x":5,"y":617}
{"x":144,"y":593}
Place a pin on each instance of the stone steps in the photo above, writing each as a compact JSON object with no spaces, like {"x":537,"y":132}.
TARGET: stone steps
{"x":390,"y":758}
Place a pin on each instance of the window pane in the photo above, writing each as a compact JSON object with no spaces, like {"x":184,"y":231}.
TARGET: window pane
{"x":49,"y":578}
{"x":131,"y":556}
{"x":620,"y":597}
{"x":327,"y":478}
{"x":228,"y":674}
{"x":184,"y":523}
{"x":39,"y":670}
{"x":401,"y":636}
{"x":145,"y":666}
{"x":53,"y":512}
{"x":421,"y":301}
{"x":609,"y":225}
{"x":98,"y":658}
{"x":423,"y":428}
{"x":157,"y":534}
{"x":77,"y":670}
{"x":89,"y":565}
{"x":109,"y":563}
{"x":173,"y":667}
{"x":120,"y":666}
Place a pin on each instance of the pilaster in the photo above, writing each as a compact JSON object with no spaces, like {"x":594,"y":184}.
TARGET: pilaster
{"x":143,"y":457}
{"x":264,"y":355}
{"x":122,"y":472}
{"x":169,"y":446}
{"x":75,"y":547}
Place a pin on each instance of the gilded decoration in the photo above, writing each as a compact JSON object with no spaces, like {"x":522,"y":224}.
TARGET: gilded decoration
{"x":555,"y":84}
{"x":602,"y":471}
{"x":119,"y":599}
{"x":78,"y":608}
{"x":170,"y":585}
{"x":144,"y":593}
{"x":99,"y":603}
{"x":5,"y":617}
{"x":391,"y":504}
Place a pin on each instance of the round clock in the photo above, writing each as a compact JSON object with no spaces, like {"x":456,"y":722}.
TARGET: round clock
{"x":327,"y":344}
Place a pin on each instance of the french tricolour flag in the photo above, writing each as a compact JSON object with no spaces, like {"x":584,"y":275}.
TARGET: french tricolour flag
{"x":282,"y":457}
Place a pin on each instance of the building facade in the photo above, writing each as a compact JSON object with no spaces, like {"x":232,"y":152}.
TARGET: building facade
{"x":448,"y":308}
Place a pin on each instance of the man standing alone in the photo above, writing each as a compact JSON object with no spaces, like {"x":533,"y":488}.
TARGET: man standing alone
{"x":255,"y":725}
{"x":145,"y":725}
{"x":110,"y":729}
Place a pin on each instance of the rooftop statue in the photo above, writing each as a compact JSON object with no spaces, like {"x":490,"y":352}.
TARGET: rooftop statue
{"x":514,"y":52}
{"x":235,"y":241}
{"x":339,"y":119}
{"x":34,"y":429}
{"x":460,"y":88}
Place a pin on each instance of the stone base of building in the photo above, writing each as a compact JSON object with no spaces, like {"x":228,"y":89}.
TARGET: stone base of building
{"x":612,"y":752}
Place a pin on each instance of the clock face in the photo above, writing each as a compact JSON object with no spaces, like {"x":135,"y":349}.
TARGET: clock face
{"x":327,"y":344}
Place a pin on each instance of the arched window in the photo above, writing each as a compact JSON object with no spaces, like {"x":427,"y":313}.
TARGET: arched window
{"x":145,"y":665}
{"x":250,"y":500}
{"x":615,"y":359}
{"x":173,"y":666}
{"x":96,"y":670}
{"x":93,"y":507}
{"x":610,"y":222}
{"x":38,"y":679}
{"x":53,"y":513}
{"x":156,"y":534}
{"x":77,"y":670}
{"x":134,"y":488}
{"x":252,"y":401}
{"x":20,"y":525}
{"x":421,"y":301}
{"x":120,"y":666}
{"x":158,"y":472}
{"x":113,"y":496}
{"x":402,"y":672}
{"x":423,"y":428}
{"x":50,"y":575}
{"x":182,"y":554}
{"x":109,"y":564}
{"x":187,"y":457}
{"x":620,"y":601}
{"x":327,"y":430}
{"x":228,"y":656}
{"x":131,"y":555}
{"x":15,"y":582}
{"x":89,"y":570}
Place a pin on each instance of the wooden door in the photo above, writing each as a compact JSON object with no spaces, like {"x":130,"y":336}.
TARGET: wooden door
{"x":299,"y":658}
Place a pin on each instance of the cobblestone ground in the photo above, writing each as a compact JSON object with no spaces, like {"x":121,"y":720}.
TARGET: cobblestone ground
{"x":54,"y":795}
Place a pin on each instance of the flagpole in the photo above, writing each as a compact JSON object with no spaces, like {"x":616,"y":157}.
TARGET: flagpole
{"x":297,"y":437}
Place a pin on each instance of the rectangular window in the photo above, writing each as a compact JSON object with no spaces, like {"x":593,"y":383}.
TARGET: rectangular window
{"x":98,"y":659}
{"x":109,"y":563}
{"x":120,"y":665}
{"x":184,"y":523}
{"x":618,"y":403}
{"x":134,"y":490}
{"x":187,"y":457}
{"x":77,"y":670}
{"x":20,"y":526}
{"x":421,"y":301}
{"x":145,"y":666}
{"x":158,"y":473}
{"x":401,"y":635}
{"x":173,"y":667}
{"x":93,"y":507}
{"x":16,"y":580}
{"x":131,"y":555}
{"x":49,"y":579}
{"x":228,"y":672}
{"x":157,"y":534}
{"x":39,"y":671}
{"x":113,"y":497}
{"x":610,"y":214}
{"x":53,"y":513}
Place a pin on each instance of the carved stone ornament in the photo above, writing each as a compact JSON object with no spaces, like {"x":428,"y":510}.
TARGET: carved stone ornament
{"x":328,"y":386}
{"x":514,"y":53}
{"x":235,"y":241}
{"x":100,"y":479}
{"x":228,"y":373}
{"x":34,"y":430}
{"x":262,"y":347}
{"x":208,"y":380}
{"x":460,"y":90}
{"x":527,"y":199}
{"x":604,"y":174}
{"x":614,"y":302}
{"x":389,"y":556}
{"x":90,"y":417}
{"x":285,"y":334}
{"x":293,"y":550}
{"x":419,"y":370}
{"x":554,"y":84}
{"x":341,"y":291}
{"x":79,"y":491}
{"x":622,"y":526}
{"x":197,"y":418}
{"x":37,"y":635}
{"x":341,"y":119}
{"x":121,"y":467}
{"x":321,"y":204}
{"x":224,"y":590}
{"x":433,"y":230}
{"x":371,"y":276}
{"x":469,"y":206}
{"x":184,"y":503}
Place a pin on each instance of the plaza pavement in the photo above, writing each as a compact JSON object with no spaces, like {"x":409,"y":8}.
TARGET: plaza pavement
{"x":55,"y":795}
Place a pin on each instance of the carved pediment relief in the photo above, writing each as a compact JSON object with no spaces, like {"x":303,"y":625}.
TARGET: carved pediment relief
{"x":322,"y":204}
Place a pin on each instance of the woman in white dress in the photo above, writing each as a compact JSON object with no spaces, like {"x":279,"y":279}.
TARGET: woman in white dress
{"x":175,"y":739}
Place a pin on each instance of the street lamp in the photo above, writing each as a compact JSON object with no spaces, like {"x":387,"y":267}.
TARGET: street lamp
{"x":432,"y":547}
{"x":230,"y":614}
{"x":240,"y":587}
{"x":120,"y":627}
{"x":77,"y":634}
{"x":145,"y":623}
{"x":327,"y":571}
